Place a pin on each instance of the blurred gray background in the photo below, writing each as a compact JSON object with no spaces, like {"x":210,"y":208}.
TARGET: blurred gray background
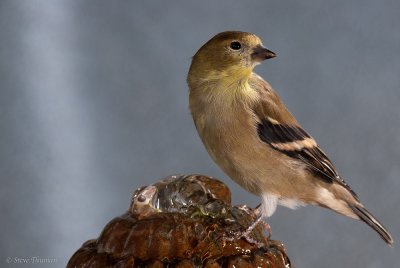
{"x":93,"y":104}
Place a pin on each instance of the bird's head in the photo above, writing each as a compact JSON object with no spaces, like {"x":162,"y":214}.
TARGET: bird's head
{"x":230,"y":53}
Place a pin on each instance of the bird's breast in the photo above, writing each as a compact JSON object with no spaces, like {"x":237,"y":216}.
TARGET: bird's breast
{"x":230,"y":137}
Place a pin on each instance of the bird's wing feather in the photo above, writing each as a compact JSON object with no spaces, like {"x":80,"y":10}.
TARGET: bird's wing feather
{"x":279,"y":129}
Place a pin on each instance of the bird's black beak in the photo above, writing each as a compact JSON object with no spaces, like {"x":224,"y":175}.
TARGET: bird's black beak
{"x":261,"y":53}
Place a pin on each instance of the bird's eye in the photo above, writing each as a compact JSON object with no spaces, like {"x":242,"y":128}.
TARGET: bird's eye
{"x":141,"y":198}
{"x":235,"y":45}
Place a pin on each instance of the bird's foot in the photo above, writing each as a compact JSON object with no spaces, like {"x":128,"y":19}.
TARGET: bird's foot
{"x":247,"y":233}
{"x":259,"y":213}
{"x":251,"y":227}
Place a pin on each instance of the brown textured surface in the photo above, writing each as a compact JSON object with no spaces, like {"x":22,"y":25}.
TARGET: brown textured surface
{"x":187,"y":237}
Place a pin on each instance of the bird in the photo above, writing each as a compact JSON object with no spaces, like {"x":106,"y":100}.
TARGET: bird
{"x":251,"y":135}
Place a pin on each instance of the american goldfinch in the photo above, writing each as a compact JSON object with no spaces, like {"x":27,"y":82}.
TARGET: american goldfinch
{"x":255,"y":140}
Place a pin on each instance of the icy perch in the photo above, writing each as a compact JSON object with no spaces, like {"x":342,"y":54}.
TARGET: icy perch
{"x":182,"y":221}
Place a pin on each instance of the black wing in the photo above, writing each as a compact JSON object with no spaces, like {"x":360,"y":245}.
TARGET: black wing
{"x":293,"y":141}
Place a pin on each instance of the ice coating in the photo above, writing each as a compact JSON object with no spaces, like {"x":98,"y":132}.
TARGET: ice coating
{"x":195,"y":196}
{"x":182,"y":194}
{"x":182,"y":221}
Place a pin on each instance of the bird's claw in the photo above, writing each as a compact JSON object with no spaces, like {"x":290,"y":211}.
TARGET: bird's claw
{"x":246,"y":234}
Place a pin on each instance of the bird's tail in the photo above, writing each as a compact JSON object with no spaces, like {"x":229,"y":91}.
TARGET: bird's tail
{"x":369,"y":219}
